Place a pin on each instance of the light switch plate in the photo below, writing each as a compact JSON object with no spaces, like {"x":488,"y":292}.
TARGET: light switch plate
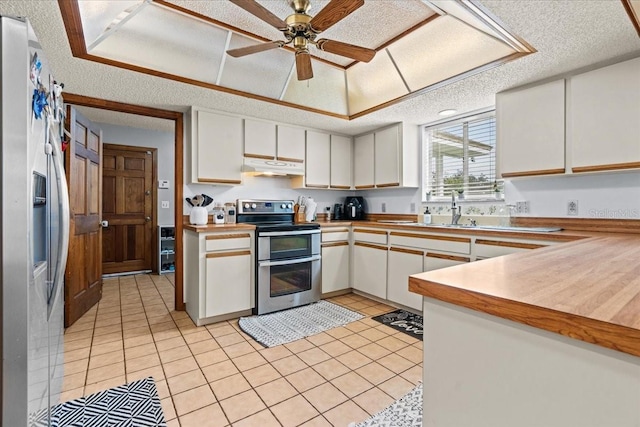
{"x":163,"y":183}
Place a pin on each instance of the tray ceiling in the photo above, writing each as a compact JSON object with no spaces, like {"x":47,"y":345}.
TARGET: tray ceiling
{"x":420,"y":46}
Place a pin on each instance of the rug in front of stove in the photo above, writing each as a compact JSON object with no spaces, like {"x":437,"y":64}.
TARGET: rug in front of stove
{"x":130,"y":405}
{"x":404,"y":321}
{"x":285,"y":326}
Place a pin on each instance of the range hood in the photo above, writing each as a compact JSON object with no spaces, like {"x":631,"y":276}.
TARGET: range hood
{"x":272,"y":167}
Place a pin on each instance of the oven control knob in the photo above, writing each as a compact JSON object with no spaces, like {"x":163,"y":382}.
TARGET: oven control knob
{"x":289,"y":206}
{"x":253,"y":206}
{"x":246,"y":205}
{"x":283,"y":206}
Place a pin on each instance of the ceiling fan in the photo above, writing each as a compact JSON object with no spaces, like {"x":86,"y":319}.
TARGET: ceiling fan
{"x":301,"y":29}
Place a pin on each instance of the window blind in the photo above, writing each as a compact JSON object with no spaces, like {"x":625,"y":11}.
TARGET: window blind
{"x":461,"y":157}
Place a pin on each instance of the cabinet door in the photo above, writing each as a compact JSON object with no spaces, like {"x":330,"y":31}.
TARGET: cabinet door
{"x":435,"y":261}
{"x":605,"y":118}
{"x":363,"y":161}
{"x":317,"y":173}
{"x":530,"y":130}
{"x":290,"y":144}
{"x":387,"y":157}
{"x":370,"y":269}
{"x":486,"y":248}
{"x":218,"y":151}
{"x":259,"y":139}
{"x":228,"y":283}
{"x":335,"y":266}
{"x":341,"y":162}
{"x":402,"y":263}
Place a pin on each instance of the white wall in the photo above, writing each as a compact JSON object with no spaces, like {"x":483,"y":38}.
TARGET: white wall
{"x":397,"y":200}
{"x":599,"y":195}
{"x":165,"y":143}
{"x":263,"y":187}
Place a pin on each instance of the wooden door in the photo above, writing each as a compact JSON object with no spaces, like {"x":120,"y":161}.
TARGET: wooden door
{"x":83,"y":277}
{"x":128,"y":242}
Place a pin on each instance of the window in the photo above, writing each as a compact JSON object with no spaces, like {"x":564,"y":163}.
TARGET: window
{"x":460,"y":156}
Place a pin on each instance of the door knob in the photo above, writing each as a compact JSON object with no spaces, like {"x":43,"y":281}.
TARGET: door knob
{"x":147,"y":218}
{"x":104,"y":224}
{"x":147,"y":193}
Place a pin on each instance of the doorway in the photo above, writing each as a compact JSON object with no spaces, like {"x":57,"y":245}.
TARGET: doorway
{"x":128,"y":209}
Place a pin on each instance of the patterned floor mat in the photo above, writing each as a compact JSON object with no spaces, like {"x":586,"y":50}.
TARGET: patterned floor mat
{"x":285,"y":326}
{"x":404,"y":321}
{"x":405,"y":412}
{"x":131,"y":405}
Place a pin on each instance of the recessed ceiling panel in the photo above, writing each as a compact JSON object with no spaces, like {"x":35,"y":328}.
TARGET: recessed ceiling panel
{"x":263,"y":73}
{"x":443,"y":49}
{"x":374,"y":83}
{"x":325,"y":91}
{"x":97,"y":15}
{"x":167,"y":41}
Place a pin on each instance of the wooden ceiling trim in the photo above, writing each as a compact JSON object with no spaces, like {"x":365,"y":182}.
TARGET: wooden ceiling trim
{"x":635,"y":19}
{"x":178,"y":130}
{"x":73,"y":24}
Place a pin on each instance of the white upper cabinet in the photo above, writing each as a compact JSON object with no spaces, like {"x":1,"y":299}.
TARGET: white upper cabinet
{"x":605,"y":118}
{"x":259,"y":139}
{"x":531,"y":130}
{"x":217,"y":147}
{"x":341,"y":164}
{"x":318,"y":167}
{"x":388,"y":157}
{"x":363,"y":161}
{"x":387,"y":150}
{"x":290,"y":142}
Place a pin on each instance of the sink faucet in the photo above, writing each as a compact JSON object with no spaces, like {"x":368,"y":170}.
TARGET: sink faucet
{"x":455,"y":214}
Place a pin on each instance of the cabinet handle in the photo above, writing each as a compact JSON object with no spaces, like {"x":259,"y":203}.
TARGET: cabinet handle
{"x":289,"y":261}
{"x":225,"y":254}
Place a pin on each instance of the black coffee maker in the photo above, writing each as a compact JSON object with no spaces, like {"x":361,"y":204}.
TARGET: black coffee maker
{"x":354,"y":208}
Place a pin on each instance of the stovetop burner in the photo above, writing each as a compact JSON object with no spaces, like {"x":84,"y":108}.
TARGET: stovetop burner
{"x":270,"y":215}
{"x":286,"y":227}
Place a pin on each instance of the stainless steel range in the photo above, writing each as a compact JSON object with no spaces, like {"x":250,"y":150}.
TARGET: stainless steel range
{"x":288,"y":261}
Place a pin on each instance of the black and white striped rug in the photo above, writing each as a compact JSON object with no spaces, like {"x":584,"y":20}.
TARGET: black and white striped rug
{"x":285,"y":326}
{"x":130,"y":405}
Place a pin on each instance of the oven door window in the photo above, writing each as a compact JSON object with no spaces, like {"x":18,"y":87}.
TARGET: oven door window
{"x":290,"y":279}
{"x":283,"y":247}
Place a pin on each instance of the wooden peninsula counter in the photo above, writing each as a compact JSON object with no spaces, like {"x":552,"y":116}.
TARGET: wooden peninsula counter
{"x":550,"y":337}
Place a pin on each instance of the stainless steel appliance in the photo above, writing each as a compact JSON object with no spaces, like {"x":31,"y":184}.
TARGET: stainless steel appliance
{"x":354,"y":208}
{"x":288,"y":260}
{"x":34,"y":227}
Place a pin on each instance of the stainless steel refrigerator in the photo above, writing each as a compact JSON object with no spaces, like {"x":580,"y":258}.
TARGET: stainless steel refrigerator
{"x":34,"y":228}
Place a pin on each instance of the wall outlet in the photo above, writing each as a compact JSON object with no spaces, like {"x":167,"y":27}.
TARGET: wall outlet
{"x":522,"y":207}
{"x":572,"y":208}
{"x":384,"y":207}
{"x":165,"y":204}
{"x":413,"y":207}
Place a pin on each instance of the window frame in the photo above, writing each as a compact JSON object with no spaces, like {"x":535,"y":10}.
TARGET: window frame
{"x":426,"y":159}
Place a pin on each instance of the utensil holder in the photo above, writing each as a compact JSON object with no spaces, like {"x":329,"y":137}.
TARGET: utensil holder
{"x":198,"y":216}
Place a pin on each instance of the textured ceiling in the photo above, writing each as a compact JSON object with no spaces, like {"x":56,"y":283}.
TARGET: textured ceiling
{"x":568,"y":35}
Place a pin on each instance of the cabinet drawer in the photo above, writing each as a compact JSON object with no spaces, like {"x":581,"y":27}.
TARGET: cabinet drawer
{"x":493,"y":248}
{"x":225,"y":242}
{"x":371,"y":236}
{"x":335,"y":235}
{"x":461,"y":245}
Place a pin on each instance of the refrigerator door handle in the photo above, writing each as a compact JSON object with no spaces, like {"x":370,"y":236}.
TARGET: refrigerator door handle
{"x":63,"y":193}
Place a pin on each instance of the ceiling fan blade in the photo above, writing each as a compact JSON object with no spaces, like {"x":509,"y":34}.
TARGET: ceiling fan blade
{"x":258,"y":10}
{"x":303,"y":65}
{"x":335,"y":11}
{"x":242,"y":51}
{"x":358,"y":53}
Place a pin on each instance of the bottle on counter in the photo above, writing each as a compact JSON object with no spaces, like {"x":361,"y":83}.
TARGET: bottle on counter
{"x":427,"y":216}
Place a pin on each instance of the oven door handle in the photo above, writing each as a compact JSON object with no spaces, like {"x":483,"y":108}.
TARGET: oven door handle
{"x":287,"y":233}
{"x":289,"y":261}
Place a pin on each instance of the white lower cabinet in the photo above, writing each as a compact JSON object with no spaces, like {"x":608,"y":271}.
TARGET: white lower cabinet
{"x":218,"y":275}
{"x":435,"y":261}
{"x":370,"y":269}
{"x":403,"y":263}
{"x":335,"y":266}
{"x":490,"y":248}
{"x":228,"y":282}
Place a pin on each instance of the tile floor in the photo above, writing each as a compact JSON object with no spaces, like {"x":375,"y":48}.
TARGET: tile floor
{"x":217,"y":376}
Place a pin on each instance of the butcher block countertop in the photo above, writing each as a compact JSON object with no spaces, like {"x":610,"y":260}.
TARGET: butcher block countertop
{"x":588,"y":289}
